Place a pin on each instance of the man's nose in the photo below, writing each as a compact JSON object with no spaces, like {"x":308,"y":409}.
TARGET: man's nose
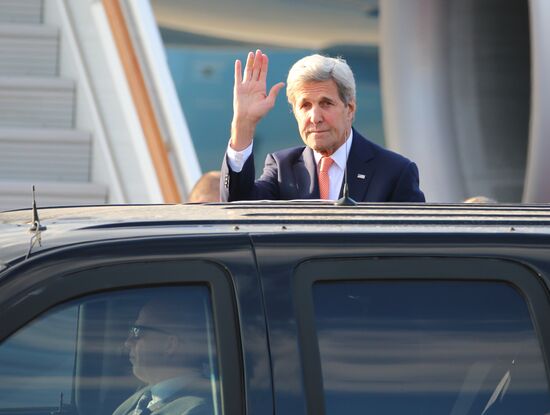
{"x":129,"y":342}
{"x":315,"y":115}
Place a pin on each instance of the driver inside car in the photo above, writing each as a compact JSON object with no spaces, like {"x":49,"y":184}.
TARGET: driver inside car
{"x":166,"y":353}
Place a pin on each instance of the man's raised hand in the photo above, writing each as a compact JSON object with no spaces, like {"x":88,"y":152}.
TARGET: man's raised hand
{"x":250,"y":100}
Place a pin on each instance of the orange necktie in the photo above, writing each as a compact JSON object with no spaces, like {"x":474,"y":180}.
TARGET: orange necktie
{"x":324,"y":182}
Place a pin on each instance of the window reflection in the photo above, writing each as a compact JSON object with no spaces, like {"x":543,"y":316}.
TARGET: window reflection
{"x":47,"y":352}
{"x":431,"y":348}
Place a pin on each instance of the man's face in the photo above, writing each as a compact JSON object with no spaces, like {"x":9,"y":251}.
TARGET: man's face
{"x":323,"y":119}
{"x":148,"y":347}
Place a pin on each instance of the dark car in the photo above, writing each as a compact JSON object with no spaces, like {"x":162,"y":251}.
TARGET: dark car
{"x":276,"y":308}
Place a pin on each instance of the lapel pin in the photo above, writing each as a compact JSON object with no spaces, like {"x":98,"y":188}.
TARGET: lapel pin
{"x":361,"y":176}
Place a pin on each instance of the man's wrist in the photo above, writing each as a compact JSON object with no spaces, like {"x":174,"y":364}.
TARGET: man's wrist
{"x":242,"y":134}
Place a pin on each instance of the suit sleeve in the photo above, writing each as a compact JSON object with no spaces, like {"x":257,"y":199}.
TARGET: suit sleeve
{"x":407,"y":188}
{"x":241,"y":186}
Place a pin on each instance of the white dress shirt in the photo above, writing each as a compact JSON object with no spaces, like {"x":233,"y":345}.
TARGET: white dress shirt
{"x":165,"y":390}
{"x":236,"y":160}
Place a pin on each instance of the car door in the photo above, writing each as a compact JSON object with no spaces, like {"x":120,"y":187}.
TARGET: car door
{"x":406,"y":324}
{"x":88,"y":328}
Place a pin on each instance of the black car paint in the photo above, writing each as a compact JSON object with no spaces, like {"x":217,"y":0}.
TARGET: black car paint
{"x":260,"y":268}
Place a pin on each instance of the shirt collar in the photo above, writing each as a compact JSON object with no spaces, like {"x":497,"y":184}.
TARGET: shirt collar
{"x":167,"y":388}
{"x":340,"y":156}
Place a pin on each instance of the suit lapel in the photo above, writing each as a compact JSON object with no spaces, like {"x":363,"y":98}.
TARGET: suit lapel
{"x":360,"y":168}
{"x":305,"y":174}
{"x":132,"y":401}
{"x":359,"y":165}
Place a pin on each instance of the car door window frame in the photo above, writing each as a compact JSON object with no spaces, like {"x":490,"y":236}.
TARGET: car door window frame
{"x":384,"y":269}
{"x":97,"y":269}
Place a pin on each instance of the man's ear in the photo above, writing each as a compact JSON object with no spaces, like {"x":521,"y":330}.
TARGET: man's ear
{"x":172,"y":344}
{"x":351,"y":109}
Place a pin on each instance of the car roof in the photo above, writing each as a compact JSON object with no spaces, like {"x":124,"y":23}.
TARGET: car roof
{"x":69,"y":225}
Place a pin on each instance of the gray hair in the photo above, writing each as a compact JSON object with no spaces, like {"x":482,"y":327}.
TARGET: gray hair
{"x":318,"y":68}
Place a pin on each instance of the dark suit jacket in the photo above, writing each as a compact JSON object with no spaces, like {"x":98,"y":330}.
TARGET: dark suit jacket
{"x":292,"y":174}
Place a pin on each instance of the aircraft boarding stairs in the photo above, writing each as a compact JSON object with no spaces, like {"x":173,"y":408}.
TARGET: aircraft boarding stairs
{"x":38,"y":141}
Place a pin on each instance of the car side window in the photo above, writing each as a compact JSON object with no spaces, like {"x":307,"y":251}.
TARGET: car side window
{"x":37,"y":364}
{"x":114,"y":352}
{"x":429,"y":347}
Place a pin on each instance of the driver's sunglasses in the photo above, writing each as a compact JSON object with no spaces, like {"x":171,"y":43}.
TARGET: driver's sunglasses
{"x":135,"y":331}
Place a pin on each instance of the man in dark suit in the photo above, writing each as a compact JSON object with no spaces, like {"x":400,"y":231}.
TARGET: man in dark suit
{"x":321,"y":91}
{"x":166,"y":355}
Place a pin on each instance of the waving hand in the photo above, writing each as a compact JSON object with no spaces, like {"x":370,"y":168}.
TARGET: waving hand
{"x":250,"y":99}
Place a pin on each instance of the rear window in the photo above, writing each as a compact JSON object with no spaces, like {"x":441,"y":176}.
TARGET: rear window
{"x":428,"y":347}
